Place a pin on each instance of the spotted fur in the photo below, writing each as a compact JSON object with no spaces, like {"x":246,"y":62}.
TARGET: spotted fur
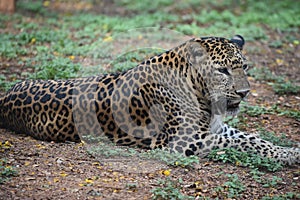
{"x":174,"y":100}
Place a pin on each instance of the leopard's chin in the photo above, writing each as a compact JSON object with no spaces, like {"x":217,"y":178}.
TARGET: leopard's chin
{"x":233,"y":108}
{"x":232,"y":111}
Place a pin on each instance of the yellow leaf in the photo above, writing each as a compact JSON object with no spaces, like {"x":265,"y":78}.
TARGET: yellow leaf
{"x":7,"y":143}
{"x":27,"y":163}
{"x":166,"y":172}
{"x":72,"y":57}
{"x":40,"y":146}
{"x":89,"y":181}
{"x":55,"y":180}
{"x":96,"y":163}
{"x":33,"y":40}
{"x":296,"y":42}
{"x":81,"y":184}
{"x":108,"y":39}
{"x":279,"y":61}
{"x":105,"y":26}
{"x":115,"y":173}
{"x":63,"y":174}
{"x":46,"y":3}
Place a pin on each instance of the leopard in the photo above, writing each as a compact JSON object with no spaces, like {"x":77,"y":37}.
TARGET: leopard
{"x":175,"y":100}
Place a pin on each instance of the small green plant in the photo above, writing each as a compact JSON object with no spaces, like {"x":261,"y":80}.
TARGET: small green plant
{"x":108,"y":149}
{"x":256,"y":110}
{"x":285,"y":87}
{"x":257,"y":175}
{"x":31,"y":6}
{"x":272,"y":182}
{"x":239,"y":158}
{"x":280,"y":140}
{"x":6,"y":171}
{"x":172,"y":159}
{"x":276,"y":44}
{"x":234,"y":186}
{"x":55,"y":68}
{"x":259,"y":178}
{"x":287,"y":196}
{"x":169,"y":189}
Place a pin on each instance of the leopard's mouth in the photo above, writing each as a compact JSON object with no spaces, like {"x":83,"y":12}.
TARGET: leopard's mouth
{"x":233,"y":107}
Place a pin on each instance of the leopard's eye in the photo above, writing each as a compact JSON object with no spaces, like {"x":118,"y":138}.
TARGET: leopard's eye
{"x":224,"y":71}
{"x":245,"y":67}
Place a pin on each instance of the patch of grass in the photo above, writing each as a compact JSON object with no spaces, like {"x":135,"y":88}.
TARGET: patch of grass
{"x":230,"y":155}
{"x":145,"y":6}
{"x":258,"y":176}
{"x":287,"y":196}
{"x":285,"y":87}
{"x":31,"y":6}
{"x":132,"y":58}
{"x":272,"y":182}
{"x":279,"y":84}
{"x":234,"y":186}
{"x":172,"y":159}
{"x":109,"y":151}
{"x":6,"y":85}
{"x":169,"y":189}
{"x":102,"y":146}
{"x":10,"y":48}
{"x":55,"y":68}
{"x":6,"y":171}
{"x":256,"y":110}
{"x":281,"y":140}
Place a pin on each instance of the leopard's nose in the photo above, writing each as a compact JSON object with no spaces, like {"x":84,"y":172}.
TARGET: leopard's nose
{"x":243,"y":93}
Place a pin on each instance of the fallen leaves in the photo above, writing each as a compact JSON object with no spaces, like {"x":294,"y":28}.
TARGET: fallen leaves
{"x":5,"y":146}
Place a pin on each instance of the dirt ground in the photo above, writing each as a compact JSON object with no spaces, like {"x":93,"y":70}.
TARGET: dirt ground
{"x":48,"y":170}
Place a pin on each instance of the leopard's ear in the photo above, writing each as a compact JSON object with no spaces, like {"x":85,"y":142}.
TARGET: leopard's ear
{"x":238,"y":40}
{"x":197,"y":53}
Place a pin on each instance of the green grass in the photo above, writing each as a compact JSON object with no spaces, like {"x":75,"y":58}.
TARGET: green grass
{"x":169,"y":189}
{"x":172,"y":159}
{"x":287,"y":196}
{"x":53,"y":37}
{"x":280,"y":140}
{"x":6,"y":171}
{"x":234,"y":186}
{"x":230,"y":155}
{"x":280,"y":84}
{"x":256,"y":110}
{"x":104,"y":148}
{"x":55,"y":68}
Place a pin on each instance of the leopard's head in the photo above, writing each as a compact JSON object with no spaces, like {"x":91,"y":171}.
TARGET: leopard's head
{"x":223,"y":67}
